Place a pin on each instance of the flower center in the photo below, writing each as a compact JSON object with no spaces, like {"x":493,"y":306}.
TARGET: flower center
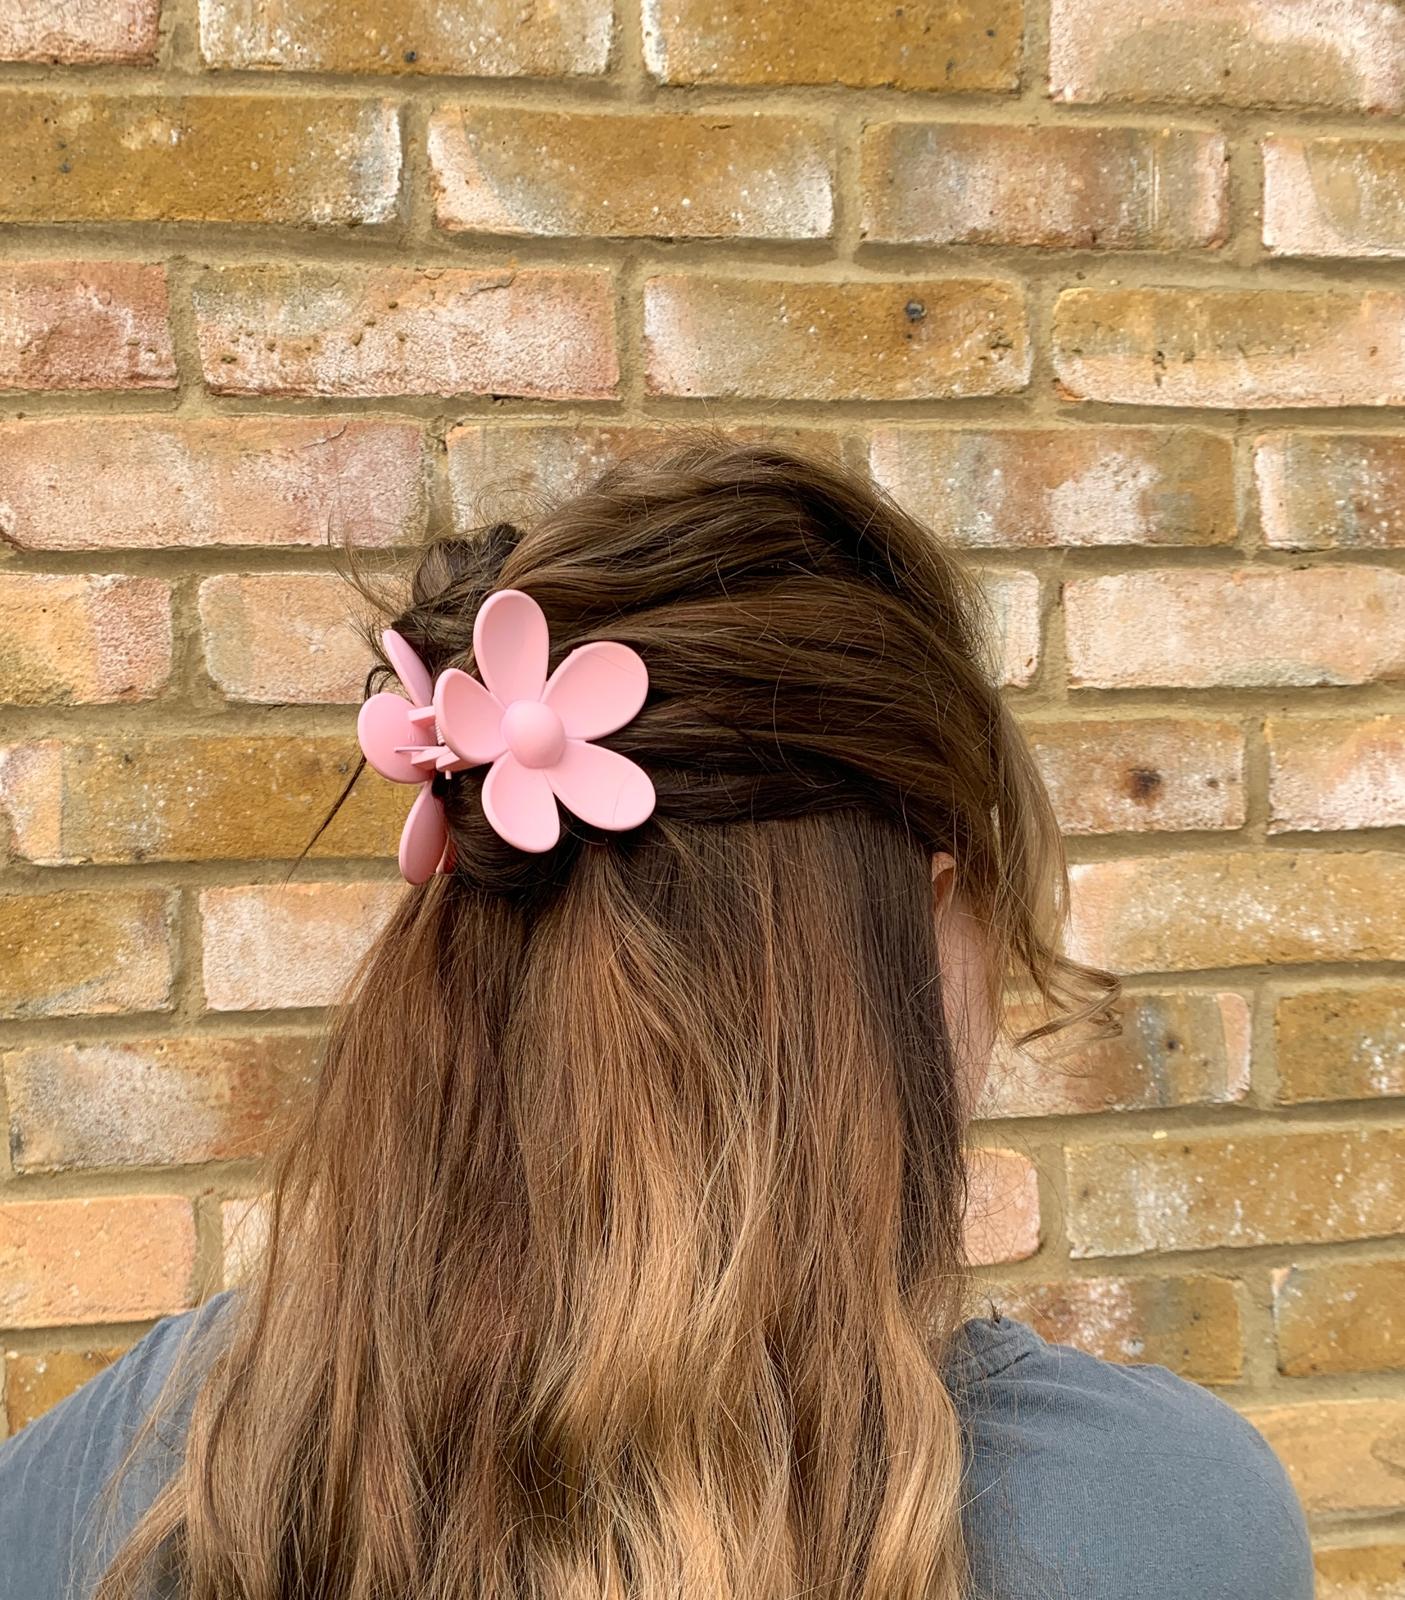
{"x":533,"y":733}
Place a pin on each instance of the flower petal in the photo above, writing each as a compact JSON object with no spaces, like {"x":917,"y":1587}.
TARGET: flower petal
{"x":519,"y":804}
{"x":597,"y":689}
{"x":410,"y":670}
{"x":601,"y":786}
{"x":383,"y":727}
{"x":469,"y":718}
{"x":510,"y":646}
{"x":424,"y":838}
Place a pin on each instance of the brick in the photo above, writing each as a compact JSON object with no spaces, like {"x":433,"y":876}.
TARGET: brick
{"x":198,"y":158}
{"x":1344,"y":1316}
{"x":84,"y":325}
{"x":186,"y":798}
{"x":85,"y":953}
{"x":80,"y":32}
{"x":1334,"y":197}
{"x":1360,"y":1571}
{"x":1018,"y":487}
{"x":1153,"y":774}
{"x":64,"y":1263}
{"x":1239,"y":908}
{"x":36,"y":1383}
{"x":283,"y":637}
{"x":1231,"y":348}
{"x":269,"y":947}
{"x":1180,"y":1048}
{"x":1331,"y":491}
{"x":1203,"y":1192}
{"x":244,"y":1229}
{"x":489,"y":39}
{"x":606,"y":175}
{"x":79,"y":483}
{"x":1191,"y":1325}
{"x":794,"y":339}
{"x":295,"y":330}
{"x":80,"y":640}
{"x":1315,"y":53}
{"x":1342,"y":1455}
{"x":148,"y":1102}
{"x":1002,"y":1209}
{"x":1012,"y":599}
{"x":1336,"y":772}
{"x":1252,"y":627}
{"x":1065,"y":188}
{"x":1340,"y":1043}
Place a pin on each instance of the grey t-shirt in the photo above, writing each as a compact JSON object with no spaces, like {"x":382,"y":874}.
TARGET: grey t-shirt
{"x":1084,"y":1480}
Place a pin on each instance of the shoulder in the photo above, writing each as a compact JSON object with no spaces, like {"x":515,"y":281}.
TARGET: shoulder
{"x":1113,"y":1482}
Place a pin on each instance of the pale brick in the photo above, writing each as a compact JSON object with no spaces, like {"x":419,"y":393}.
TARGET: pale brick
{"x":80,"y":483}
{"x":602,"y":174}
{"x":1002,"y":1209}
{"x":80,"y":32}
{"x":244,"y":1228}
{"x":1342,"y":1455}
{"x":1330,"y":773}
{"x":1340,"y":1043}
{"x":1329,"y":491}
{"x":295,"y":330}
{"x":1012,"y":603}
{"x":80,"y":640}
{"x":84,"y":325}
{"x":1360,"y":1572}
{"x":284,"y":637}
{"x":1251,"y":627}
{"x":1334,"y":197}
{"x":1231,"y":348}
{"x":273,"y":946}
{"x":64,"y":1263}
{"x":1064,"y":188}
{"x":36,"y":1383}
{"x":85,"y":953}
{"x":1004,"y":487}
{"x":811,"y":339}
{"x":1343,"y":1316}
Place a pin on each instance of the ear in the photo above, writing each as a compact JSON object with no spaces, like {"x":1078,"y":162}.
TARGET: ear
{"x":943,"y":878}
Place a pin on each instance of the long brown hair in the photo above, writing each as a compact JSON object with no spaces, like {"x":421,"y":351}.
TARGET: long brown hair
{"x":618,"y":1249}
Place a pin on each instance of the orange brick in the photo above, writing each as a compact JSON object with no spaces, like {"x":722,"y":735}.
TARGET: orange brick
{"x":1231,"y":348}
{"x":300,"y":330}
{"x":1002,"y":1210}
{"x":273,"y":946}
{"x":810,"y":339}
{"x":68,"y":1262}
{"x":1329,"y":491}
{"x":1004,"y":487}
{"x":1012,"y":599}
{"x":84,"y":325}
{"x":1154,"y":774}
{"x":35,"y":1383}
{"x":1334,"y":197}
{"x":1241,"y":908}
{"x":85,"y":953}
{"x":1254,"y":627}
{"x":76,"y":640}
{"x":1360,"y":1571}
{"x":1344,"y":1316}
{"x":244,"y":1228}
{"x":1336,"y":772}
{"x":1070,"y":187}
{"x":1204,"y":1192}
{"x":1340,"y":1043}
{"x":1316,"y":53}
{"x":73,"y":483}
{"x":606,"y":174}
{"x":80,"y":32}
{"x":148,"y":1102}
{"x":1342,"y":1455}
{"x":284,"y":637}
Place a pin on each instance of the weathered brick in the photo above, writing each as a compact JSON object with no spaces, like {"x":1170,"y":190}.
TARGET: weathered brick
{"x":810,"y":339}
{"x":1004,"y":487}
{"x":296,"y":330}
{"x":85,"y":953}
{"x":198,"y":158}
{"x":1340,"y":1044}
{"x":77,"y":483}
{"x":244,"y":1231}
{"x":1336,"y":772}
{"x":1203,"y":1192}
{"x":84,"y":325}
{"x":1334,"y":197}
{"x":1012,"y":600}
{"x":273,"y":946}
{"x":79,"y":639}
{"x":1070,"y":187}
{"x":80,"y":32}
{"x":489,"y":39}
{"x":577,"y":173}
{"x":184,"y":798}
{"x":148,"y":1102}
{"x":1342,"y":1455}
{"x":1231,"y":348}
{"x":1251,"y":627}
{"x":283,"y":637}
{"x":68,"y":1262}
{"x":1183,"y":1047}
{"x":1329,"y":491}
{"x":1153,"y":774}
{"x":1002,"y":1210}
{"x":35,"y":1383}
{"x":1360,"y":1571}
{"x":1343,"y":1316}
{"x":1316,"y":53}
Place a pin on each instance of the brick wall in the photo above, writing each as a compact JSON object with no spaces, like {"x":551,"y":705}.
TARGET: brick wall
{"x":1109,"y":290}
